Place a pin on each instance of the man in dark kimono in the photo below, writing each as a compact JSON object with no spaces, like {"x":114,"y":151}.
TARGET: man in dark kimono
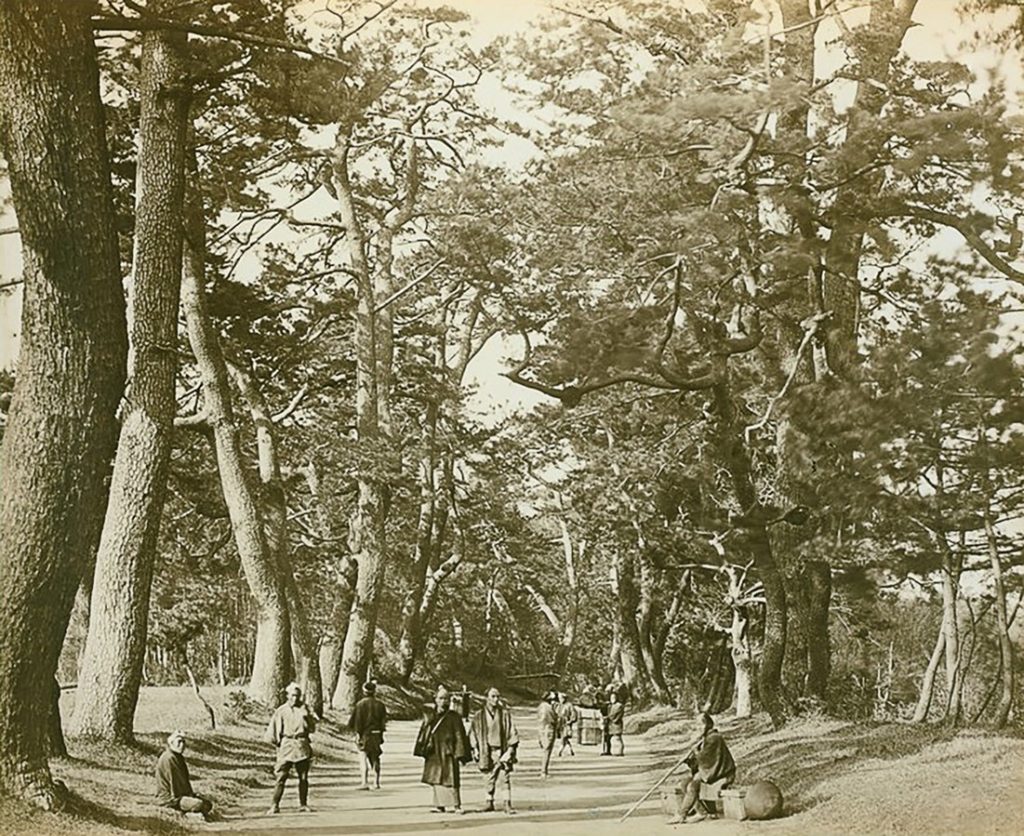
{"x":603,"y":704}
{"x":173,"y":783}
{"x":368,"y":720}
{"x":494,"y":740}
{"x":444,"y":746}
{"x":710,"y":762}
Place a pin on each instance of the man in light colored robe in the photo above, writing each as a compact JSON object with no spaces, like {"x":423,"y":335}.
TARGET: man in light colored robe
{"x":289,"y":730}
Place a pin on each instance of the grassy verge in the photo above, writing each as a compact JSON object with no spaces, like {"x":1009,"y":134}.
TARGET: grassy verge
{"x":112,"y":786}
{"x":865,"y":778}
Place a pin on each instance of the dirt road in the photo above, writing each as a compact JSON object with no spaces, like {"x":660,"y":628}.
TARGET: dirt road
{"x":585,"y":794}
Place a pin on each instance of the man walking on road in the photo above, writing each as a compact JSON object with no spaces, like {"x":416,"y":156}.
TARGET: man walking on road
{"x":616,"y":718}
{"x":494,"y":740}
{"x":547,"y":723}
{"x":289,"y":730}
{"x":568,"y":716}
{"x":368,"y":720}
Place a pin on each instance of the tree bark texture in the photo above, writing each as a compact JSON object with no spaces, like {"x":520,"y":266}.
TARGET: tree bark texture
{"x":274,"y":508}
{"x":331,"y":645}
{"x":627,"y":600}
{"x":429,"y":531}
{"x":735,"y":456}
{"x":1005,"y":703}
{"x":374,"y":349}
{"x":108,"y":684}
{"x":272,"y":655}
{"x":950,"y":586}
{"x":924,"y":697}
{"x":61,"y":430}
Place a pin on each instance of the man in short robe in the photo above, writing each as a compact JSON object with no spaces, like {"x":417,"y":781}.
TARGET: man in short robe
{"x":616,"y":721}
{"x":289,"y":730}
{"x":444,"y":746}
{"x":173,"y":784}
{"x":368,"y":720}
{"x":494,"y":740}
{"x":568,"y":717}
{"x":547,"y":730}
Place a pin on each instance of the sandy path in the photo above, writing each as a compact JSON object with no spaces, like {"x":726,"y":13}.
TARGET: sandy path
{"x":584,"y":795}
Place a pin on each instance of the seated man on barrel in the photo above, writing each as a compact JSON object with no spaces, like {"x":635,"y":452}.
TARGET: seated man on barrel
{"x":710,"y":763}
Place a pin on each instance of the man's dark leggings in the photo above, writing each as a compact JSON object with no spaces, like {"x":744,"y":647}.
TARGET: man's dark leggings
{"x":301,"y":771}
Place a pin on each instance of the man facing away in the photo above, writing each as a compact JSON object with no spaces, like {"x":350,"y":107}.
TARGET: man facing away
{"x":568,"y":716}
{"x":289,"y":730}
{"x":173,"y":784}
{"x":710,"y":762}
{"x":616,"y":721}
{"x":494,"y":740}
{"x":368,"y":720}
{"x":547,"y":722}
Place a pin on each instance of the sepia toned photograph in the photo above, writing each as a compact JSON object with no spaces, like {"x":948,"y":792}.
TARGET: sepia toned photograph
{"x":511,"y":417}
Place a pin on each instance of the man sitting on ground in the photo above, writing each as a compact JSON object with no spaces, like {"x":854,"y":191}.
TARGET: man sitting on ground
{"x":173,"y":785}
{"x":710,"y":762}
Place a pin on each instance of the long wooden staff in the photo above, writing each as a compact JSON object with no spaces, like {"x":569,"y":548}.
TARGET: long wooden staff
{"x":663,"y":778}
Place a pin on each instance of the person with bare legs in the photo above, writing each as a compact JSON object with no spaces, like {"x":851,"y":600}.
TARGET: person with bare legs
{"x":547,"y":720}
{"x":368,"y":720}
{"x":568,"y":717}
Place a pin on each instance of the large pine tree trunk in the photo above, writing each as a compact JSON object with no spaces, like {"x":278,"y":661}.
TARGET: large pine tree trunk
{"x":627,"y":599}
{"x":374,"y":350}
{"x":410,"y":640}
{"x":924,"y":697}
{"x":108,"y":684}
{"x":951,"y":632}
{"x":1002,"y":624}
{"x":330,"y":647}
{"x":61,"y":430}
{"x":272,"y":655}
{"x":734,"y":454}
{"x":275,"y":522}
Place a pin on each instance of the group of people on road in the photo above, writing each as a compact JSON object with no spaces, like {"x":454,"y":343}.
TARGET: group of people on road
{"x":450,"y":736}
{"x":492,"y":742}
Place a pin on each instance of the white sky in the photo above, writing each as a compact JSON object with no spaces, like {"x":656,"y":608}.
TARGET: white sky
{"x":938,"y":37}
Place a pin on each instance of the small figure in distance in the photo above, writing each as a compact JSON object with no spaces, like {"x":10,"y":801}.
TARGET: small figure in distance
{"x":368,"y":720}
{"x":568,"y":716}
{"x":616,"y":717}
{"x":495,"y":741}
{"x":709,"y":762}
{"x":289,"y":730}
{"x":173,"y":784}
{"x":444,"y":746}
{"x":547,"y":722}
{"x":603,"y":699}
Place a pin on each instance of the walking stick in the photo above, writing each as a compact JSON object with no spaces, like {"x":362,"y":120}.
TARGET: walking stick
{"x":662,"y":779}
